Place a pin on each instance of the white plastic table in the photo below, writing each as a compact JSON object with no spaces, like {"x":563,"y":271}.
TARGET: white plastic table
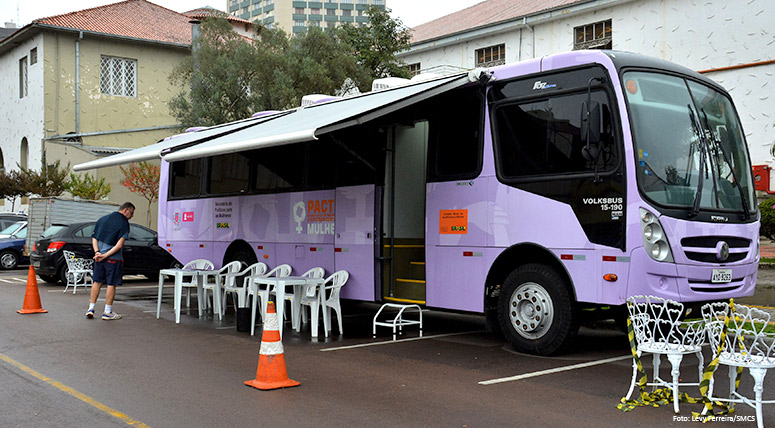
{"x":179,"y":275}
{"x":279,"y":284}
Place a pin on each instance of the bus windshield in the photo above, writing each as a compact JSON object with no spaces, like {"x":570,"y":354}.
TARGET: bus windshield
{"x":690,"y":147}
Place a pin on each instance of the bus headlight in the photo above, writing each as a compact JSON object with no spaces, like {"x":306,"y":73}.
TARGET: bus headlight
{"x":654,"y":239}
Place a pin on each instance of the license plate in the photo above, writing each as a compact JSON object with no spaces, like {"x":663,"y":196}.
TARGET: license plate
{"x":721,"y":276}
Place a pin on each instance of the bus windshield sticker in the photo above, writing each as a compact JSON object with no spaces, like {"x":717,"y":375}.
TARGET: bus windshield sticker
{"x":453,"y":222}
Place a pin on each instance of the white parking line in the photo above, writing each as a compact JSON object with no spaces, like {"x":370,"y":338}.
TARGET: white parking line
{"x":5,"y":280}
{"x":555,"y":370}
{"x":411,"y":339}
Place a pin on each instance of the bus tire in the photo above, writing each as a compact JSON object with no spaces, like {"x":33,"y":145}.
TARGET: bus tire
{"x":537,"y":311}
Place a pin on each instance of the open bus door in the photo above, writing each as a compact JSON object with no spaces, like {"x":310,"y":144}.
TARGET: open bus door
{"x":403,"y":215}
{"x":354,"y":240}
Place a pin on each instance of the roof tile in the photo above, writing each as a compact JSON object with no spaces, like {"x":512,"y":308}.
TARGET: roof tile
{"x":482,"y":14}
{"x":131,"y":18}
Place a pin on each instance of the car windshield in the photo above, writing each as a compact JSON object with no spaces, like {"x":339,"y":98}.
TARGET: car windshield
{"x":12,"y":228}
{"x":691,"y":152}
{"x":51,"y":231}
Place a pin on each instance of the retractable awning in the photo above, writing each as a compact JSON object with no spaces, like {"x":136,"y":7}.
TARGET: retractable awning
{"x":180,"y":140}
{"x":309,"y":123}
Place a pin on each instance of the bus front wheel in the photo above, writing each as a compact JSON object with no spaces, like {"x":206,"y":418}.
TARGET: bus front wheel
{"x":536,"y":310}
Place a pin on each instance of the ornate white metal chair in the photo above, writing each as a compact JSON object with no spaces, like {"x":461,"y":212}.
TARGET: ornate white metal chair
{"x":329,"y":298}
{"x":659,"y":330}
{"x":79,"y":271}
{"x":738,"y":340}
{"x":212,"y":280}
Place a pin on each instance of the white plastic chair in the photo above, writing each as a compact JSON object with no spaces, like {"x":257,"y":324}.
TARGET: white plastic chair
{"x":309,"y":296}
{"x":329,"y":298}
{"x":198,"y":264}
{"x":261,"y":294}
{"x":745,"y":345}
{"x":79,"y":271}
{"x":239,"y":292}
{"x":211,"y":281}
{"x":659,"y":330}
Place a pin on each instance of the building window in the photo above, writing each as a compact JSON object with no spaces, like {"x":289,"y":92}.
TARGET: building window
{"x":491,"y":56}
{"x":299,"y":11}
{"x":346,"y":12}
{"x":298,"y":23}
{"x":414,"y":68}
{"x":118,"y":76}
{"x":379,"y":2}
{"x":346,"y":1}
{"x":314,"y":11}
{"x":594,"y":36}
{"x":33,"y":56}
{"x":331,"y":12}
{"x":23,"y":84}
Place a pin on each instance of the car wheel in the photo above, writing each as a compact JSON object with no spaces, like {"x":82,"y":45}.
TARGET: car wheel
{"x":8,"y":259}
{"x":63,"y":274}
{"x":51,"y":279}
{"x":536,"y":310}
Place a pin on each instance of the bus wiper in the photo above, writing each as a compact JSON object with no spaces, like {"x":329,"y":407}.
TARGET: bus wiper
{"x":718,"y":144}
{"x":701,"y":140}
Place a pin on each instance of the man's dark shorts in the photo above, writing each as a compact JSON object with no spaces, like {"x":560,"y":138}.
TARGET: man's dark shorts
{"x":109,"y":272}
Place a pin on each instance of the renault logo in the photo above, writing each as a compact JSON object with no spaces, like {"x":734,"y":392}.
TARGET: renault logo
{"x":722,"y":251}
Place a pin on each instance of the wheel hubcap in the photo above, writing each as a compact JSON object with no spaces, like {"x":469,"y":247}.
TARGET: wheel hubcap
{"x":7,"y":261}
{"x":531,"y":310}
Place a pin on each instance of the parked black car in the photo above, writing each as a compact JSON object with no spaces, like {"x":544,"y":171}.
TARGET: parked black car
{"x":142,"y":254}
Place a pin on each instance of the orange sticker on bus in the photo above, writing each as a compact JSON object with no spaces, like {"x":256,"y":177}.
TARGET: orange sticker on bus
{"x":453,"y":222}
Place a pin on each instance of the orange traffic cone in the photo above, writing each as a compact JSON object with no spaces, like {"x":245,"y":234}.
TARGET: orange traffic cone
{"x":271,"y":372}
{"x":31,"y":297}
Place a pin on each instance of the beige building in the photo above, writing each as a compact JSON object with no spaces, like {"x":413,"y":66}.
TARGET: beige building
{"x":91,"y":83}
{"x":296,"y":16}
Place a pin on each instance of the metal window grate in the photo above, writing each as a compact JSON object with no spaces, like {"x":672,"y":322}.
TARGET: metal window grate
{"x":118,"y":76}
{"x":598,"y":35}
{"x":491,"y":56}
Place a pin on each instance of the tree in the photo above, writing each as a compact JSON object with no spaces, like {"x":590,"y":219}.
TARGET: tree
{"x":87,"y":187}
{"x":229,"y":77}
{"x":50,"y":181}
{"x":377,"y":44}
{"x":12,"y":186}
{"x":143,"y":178}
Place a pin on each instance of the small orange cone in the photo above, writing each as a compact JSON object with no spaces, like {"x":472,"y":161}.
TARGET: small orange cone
{"x":271,"y":372}
{"x":31,"y":296}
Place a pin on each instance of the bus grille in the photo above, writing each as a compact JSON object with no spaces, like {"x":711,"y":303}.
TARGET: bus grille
{"x":703,"y":248}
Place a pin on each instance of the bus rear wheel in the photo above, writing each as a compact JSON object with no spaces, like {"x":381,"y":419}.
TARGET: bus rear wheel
{"x":536,"y":310}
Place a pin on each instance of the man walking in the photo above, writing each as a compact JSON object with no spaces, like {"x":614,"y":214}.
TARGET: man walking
{"x":107,"y":240}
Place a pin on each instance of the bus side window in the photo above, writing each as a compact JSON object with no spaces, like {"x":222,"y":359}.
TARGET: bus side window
{"x":185,"y":177}
{"x":454,"y":151}
{"x":543,"y":137}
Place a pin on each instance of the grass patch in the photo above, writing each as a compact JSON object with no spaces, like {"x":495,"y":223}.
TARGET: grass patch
{"x":767,"y":260}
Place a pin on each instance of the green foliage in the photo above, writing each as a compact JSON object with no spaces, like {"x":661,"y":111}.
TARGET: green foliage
{"x":768,"y":218}
{"x":142,"y":178}
{"x":12,"y":186}
{"x":87,"y":187}
{"x":377,"y":44}
{"x":228,"y":77}
{"x":50,"y":181}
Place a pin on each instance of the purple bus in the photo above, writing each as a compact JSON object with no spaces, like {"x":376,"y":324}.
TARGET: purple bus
{"x":531,"y":192}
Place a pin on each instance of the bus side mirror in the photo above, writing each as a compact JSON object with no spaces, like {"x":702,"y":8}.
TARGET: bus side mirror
{"x":591,"y":130}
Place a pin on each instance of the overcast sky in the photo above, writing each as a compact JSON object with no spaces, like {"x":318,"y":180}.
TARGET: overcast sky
{"x":22,"y":12}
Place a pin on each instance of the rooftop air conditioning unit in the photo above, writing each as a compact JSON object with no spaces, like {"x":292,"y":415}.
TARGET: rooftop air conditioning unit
{"x":313,"y":99}
{"x":388,"y":82}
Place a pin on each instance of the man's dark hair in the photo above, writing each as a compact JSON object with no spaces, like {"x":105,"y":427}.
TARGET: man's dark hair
{"x":126,"y":205}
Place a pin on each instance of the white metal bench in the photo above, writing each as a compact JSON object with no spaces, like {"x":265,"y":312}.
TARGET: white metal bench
{"x":398,"y":321}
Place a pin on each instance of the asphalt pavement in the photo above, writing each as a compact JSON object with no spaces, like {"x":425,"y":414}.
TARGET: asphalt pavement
{"x":59,"y":369}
